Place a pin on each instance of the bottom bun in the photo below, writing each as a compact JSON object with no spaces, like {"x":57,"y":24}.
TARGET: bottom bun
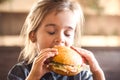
{"x":66,"y":70}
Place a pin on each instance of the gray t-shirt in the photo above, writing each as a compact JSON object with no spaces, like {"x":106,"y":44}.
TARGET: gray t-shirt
{"x":21,"y":70}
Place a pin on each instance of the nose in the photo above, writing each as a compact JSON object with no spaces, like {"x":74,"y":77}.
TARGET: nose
{"x":60,"y":39}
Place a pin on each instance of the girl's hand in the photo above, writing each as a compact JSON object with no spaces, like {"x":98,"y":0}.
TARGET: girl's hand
{"x":91,"y":60}
{"x":39,"y":67}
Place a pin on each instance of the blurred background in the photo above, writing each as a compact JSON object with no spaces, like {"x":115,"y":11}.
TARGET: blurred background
{"x":101,"y":33}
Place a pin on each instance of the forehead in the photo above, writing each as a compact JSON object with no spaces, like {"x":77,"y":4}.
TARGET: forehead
{"x":66,"y":17}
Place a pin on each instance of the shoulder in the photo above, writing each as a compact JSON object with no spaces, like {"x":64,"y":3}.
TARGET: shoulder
{"x":19,"y":71}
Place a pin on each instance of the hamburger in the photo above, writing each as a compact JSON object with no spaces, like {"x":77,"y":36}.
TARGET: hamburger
{"x":68,"y":62}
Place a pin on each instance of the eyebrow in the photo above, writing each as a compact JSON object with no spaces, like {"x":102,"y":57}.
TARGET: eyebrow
{"x":50,"y":25}
{"x":69,"y":27}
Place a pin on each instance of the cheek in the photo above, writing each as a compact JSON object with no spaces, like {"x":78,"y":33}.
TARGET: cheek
{"x":44,"y":42}
{"x":70,"y":41}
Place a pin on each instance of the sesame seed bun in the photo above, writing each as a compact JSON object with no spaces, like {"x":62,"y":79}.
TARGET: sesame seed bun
{"x":68,"y":62}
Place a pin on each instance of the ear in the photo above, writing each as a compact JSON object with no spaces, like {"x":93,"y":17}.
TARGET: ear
{"x":32,"y":36}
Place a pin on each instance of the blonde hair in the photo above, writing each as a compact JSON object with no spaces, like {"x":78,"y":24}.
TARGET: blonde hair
{"x":38,"y":12}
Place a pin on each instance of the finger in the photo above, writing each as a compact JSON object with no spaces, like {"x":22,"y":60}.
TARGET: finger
{"x":88,"y":56}
{"x":81,"y":54}
{"x":91,"y":60}
{"x":81,"y":51}
{"x":47,"y":50}
{"x":43,"y":57}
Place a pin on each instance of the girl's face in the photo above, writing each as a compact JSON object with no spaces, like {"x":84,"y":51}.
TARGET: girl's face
{"x":56,"y":29}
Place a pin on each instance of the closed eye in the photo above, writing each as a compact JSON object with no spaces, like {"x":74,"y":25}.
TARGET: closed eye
{"x":51,"y":33}
{"x":68,"y":35}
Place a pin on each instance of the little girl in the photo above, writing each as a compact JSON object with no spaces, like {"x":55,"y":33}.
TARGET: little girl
{"x":51,"y":23}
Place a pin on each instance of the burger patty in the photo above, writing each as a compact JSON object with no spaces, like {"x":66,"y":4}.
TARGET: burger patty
{"x":65,"y":67}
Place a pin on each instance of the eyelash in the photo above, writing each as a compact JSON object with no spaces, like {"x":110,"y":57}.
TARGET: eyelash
{"x":51,"y":33}
{"x":66,"y":34}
